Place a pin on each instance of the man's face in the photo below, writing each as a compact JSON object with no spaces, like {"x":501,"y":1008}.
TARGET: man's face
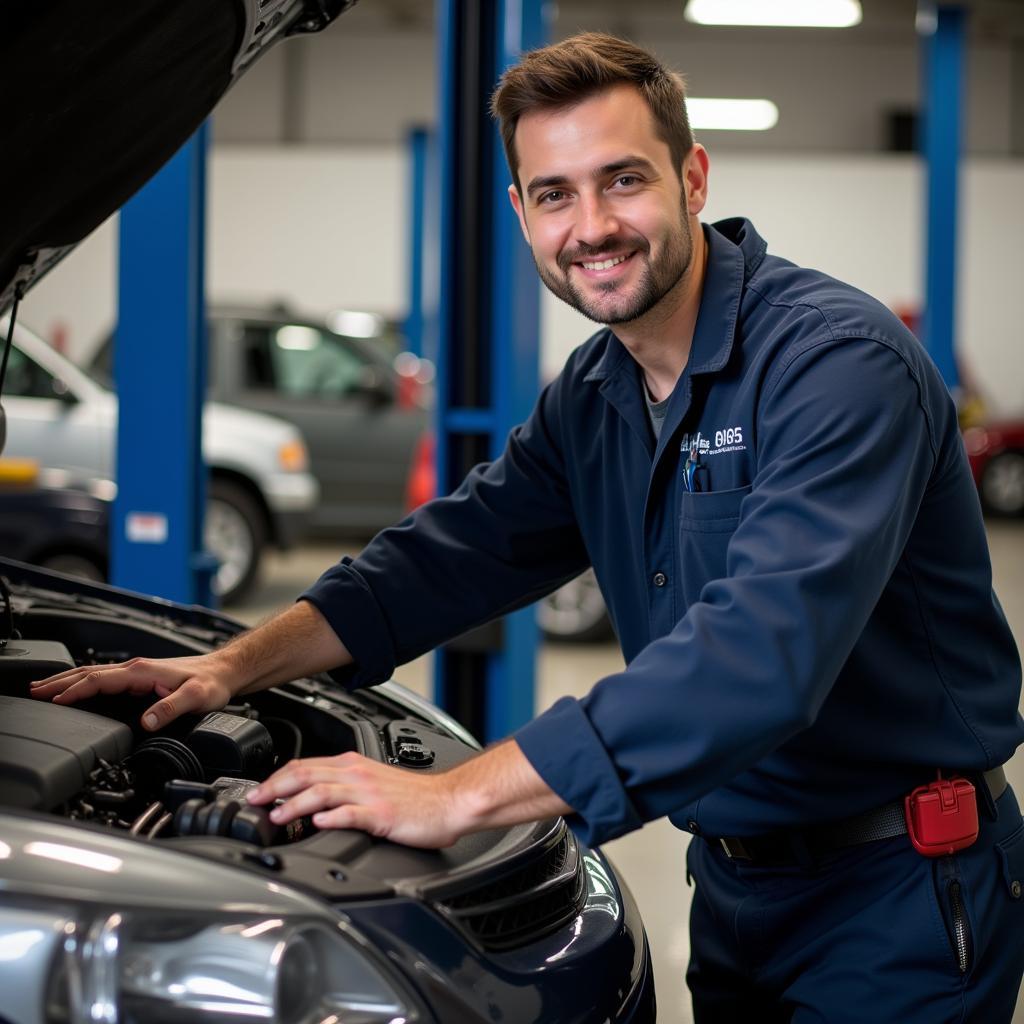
{"x":603,"y":207}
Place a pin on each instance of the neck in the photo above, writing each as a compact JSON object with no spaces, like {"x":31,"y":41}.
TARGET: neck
{"x":660,"y":340}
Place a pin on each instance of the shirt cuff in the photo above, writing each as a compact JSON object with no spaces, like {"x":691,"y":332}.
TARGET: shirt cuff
{"x":342,"y":596}
{"x":567,"y":753}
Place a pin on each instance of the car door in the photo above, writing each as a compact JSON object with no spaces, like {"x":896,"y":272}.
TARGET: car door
{"x":344,"y":401}
{"x":50,"y":422}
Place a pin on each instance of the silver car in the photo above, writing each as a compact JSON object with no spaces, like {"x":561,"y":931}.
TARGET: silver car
{"x":260,"y":489}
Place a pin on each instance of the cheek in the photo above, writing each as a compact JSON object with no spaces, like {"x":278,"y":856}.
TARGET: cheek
{"x":548,"y":237}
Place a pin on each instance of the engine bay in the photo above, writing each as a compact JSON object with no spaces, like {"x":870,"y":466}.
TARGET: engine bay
{"x":92,"y":766}
{"x":92,"y":762}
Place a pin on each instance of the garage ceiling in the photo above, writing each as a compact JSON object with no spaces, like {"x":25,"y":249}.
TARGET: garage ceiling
{"x":837,"y":90}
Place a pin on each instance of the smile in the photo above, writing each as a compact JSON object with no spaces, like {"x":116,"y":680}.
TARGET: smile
{"x":606,"y":264}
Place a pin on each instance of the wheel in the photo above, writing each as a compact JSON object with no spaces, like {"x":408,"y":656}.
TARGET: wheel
{"x":74,"y":564}
{"x":576,"y":612}
{"x":235,"y":534}
{"x":1002,"y":484}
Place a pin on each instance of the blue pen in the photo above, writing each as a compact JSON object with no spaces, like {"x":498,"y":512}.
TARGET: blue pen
{"x":690,"y":469}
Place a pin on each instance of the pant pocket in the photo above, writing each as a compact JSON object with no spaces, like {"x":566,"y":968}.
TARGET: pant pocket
{"x":1011,"y":860}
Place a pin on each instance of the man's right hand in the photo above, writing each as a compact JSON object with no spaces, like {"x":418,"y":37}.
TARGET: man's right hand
{"x":197,"y":683}
{"x":297,"y":642}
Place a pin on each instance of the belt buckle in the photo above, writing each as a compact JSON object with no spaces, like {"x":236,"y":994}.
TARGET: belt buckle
{"x":734,"y":848}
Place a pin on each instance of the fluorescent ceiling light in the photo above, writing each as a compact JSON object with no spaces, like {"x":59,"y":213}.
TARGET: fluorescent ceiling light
{"x":776,"y":13}
{"x":731,"y":115}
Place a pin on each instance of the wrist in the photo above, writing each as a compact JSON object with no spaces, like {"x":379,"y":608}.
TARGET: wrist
{"x":229,"y":668}
{"x":469,"y":807}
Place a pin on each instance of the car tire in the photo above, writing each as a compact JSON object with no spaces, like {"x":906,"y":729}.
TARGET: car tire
{"x":1002,"y":484}
{"x":236,"y":534}
{"x":576,"y":613}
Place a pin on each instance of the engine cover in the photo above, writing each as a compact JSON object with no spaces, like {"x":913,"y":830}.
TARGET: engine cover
{"x":47,"y":750}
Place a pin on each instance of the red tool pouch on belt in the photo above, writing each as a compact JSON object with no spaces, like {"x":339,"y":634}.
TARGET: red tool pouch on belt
{"x":942,"y":817}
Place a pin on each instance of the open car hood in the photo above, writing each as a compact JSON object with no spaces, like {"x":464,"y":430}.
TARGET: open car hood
{"x":99,"y":96}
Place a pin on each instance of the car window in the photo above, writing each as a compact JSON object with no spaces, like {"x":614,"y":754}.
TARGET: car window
{"x":27,"y":379}
{"x":301,"y":360}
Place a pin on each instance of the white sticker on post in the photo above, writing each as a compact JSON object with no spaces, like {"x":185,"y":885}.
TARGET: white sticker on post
{"x":146,"y":527}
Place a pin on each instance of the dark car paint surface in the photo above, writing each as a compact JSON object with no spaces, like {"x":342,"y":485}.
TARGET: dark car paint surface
{"x":56,"y":527}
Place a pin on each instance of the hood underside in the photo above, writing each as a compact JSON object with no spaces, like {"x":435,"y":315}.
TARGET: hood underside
{"x":99,"y":96}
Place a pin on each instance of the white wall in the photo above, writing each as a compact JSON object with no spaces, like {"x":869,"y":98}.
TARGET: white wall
{"x":374,"y":74}
{"x":321,"y":228}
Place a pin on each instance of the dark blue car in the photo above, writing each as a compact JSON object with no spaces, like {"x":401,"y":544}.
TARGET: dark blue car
{"x":137,"y":884}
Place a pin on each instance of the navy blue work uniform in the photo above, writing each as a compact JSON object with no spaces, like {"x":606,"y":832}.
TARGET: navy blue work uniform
{"x":798,"y":574}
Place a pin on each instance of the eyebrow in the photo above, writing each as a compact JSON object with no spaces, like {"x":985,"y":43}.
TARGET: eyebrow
{"x":624,"y":164}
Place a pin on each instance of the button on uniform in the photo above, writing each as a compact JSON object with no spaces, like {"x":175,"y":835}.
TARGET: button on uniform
{"x":659,"y":579}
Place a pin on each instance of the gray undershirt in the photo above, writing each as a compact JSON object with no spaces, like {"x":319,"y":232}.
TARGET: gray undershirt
{"x":656,"y":412}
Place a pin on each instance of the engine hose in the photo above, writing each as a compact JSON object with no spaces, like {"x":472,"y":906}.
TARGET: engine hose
{"x":146,"y":817}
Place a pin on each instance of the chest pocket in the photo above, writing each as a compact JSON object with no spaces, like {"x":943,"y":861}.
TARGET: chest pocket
{"x":706,"y":522}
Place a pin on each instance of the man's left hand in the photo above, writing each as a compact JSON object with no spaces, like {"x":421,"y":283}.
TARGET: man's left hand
{"x":498,"y":787}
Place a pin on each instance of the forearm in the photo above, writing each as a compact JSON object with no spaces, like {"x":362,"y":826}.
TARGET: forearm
{"x":297,"y":642}
{"x":500,"y":788}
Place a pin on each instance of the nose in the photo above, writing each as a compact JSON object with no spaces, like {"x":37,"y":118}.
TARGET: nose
{"x":595,"y":220}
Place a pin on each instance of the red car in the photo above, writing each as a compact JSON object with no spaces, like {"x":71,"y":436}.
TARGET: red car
{"x":996,"y":455}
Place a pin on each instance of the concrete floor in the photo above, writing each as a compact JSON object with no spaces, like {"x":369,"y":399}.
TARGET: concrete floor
{"x":651,"y":860}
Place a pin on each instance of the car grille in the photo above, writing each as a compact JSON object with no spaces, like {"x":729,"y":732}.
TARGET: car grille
{"x":525,"y":905}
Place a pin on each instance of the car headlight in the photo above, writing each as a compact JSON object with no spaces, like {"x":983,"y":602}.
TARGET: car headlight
{"x":98,"y":949}
{"x":293,"y":457}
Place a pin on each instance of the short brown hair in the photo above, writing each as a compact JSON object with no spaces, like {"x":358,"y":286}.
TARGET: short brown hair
{"x":571,"y":71}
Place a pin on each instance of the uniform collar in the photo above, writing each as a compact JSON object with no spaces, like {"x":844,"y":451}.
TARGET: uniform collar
{"x":735,"y":250}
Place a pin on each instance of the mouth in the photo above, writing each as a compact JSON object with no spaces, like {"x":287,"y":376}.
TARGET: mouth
{"x":609,"y":266}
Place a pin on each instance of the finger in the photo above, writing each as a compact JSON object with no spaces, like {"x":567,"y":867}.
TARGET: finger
{"x":192,"y":695}
{"x":70,"y":675}
{"x":358,"y":816}
{"x":44,"y":689}
{"x":294,"y":777}
{"x":309,"y":801}
{"x":108,"y":679}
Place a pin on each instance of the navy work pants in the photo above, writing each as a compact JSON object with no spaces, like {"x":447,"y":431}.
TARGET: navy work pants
{"x":871,"y":933}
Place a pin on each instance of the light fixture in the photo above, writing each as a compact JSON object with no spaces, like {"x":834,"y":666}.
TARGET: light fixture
{"x":775,"y":13}
{"x":731,"y":115}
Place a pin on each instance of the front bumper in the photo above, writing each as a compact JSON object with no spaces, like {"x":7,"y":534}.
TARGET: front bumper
{"x":291,"y":498}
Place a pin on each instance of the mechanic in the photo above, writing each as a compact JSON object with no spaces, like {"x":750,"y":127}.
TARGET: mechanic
{"x":765,"y":471}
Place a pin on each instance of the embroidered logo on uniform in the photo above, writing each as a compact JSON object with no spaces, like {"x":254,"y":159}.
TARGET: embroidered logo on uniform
{"x":728,"y":439}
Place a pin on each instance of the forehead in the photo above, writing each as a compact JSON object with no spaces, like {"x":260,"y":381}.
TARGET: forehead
{"x":573,"y":140}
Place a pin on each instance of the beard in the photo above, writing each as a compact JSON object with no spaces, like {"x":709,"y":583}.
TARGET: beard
{"x":617,"y":303}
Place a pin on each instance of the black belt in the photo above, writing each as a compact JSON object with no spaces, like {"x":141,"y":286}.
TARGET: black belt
{"x":799,"y":846}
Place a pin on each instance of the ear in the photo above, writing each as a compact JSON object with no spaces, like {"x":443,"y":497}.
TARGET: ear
{"x":517,"y":204}
{"x":695,"y":179}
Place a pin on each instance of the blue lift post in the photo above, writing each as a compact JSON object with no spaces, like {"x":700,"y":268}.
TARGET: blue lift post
{"x":160,"y":370}
{"x":943,"y":27}
{"x":488,"y":329}
{"x":418,"y":150}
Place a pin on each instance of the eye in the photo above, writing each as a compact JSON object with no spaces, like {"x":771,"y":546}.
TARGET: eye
{"x":552,"y":197}
{"x":627,"y":180}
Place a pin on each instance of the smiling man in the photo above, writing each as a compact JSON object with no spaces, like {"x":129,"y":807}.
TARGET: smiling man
{"x":764,"y":469}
